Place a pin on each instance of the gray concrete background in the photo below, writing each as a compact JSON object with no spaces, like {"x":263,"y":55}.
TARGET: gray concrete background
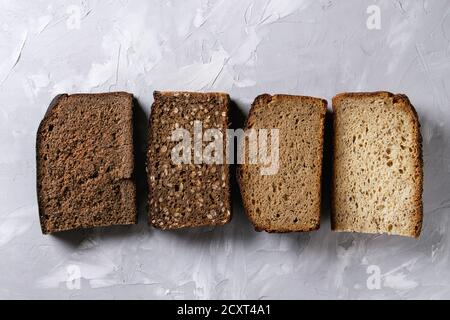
{"x":245,"y":48}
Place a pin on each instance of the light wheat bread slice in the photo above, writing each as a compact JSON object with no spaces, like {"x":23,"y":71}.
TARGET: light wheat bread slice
{"x":378,"y":175}
{"x":288,"y":201}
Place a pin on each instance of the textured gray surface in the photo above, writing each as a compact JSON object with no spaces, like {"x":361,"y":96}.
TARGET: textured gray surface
{"x":245,"y":48}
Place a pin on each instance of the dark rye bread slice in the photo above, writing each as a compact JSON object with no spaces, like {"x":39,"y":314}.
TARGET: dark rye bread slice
{"x":186,"y":195}
{"x":378,"y":174}
{"x":85,"y":162}
{"x":289,"y":201}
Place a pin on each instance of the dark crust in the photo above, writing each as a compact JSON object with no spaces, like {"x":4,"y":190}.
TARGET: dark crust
{"x":262,"y":101}
{"x":156,"y":96}
{"x":54,"y":104}
{"x":408,"y":107}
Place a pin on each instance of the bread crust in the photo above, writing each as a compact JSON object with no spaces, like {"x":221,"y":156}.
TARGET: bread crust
{"x":262,"y":101}
{"x":403,"y":102}
{"x":50,"y":108}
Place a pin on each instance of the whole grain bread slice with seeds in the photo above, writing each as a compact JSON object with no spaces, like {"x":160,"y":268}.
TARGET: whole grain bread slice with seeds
{"x":186,"y":195}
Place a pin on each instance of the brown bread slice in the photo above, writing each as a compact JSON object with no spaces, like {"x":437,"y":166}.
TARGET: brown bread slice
{"x":378,"y":175}
{"x":186,"y":195}
{"x":85,"y":162}
{"x":289,"y":201}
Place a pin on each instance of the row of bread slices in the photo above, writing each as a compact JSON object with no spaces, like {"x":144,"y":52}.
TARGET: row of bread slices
{"x":376,"y":183}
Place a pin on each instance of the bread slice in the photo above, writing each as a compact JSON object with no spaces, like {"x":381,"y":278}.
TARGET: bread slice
{"x":184,"y":195}
{"x":85,"y":162}
{"x":378,"y":175}
{"x":290,"y":200}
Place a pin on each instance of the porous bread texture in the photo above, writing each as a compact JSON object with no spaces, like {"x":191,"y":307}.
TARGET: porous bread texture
{"x":85,"y":162}
{"x":378,"y":174}
{"x":187,"y":195}
{"x":290,"y":200}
